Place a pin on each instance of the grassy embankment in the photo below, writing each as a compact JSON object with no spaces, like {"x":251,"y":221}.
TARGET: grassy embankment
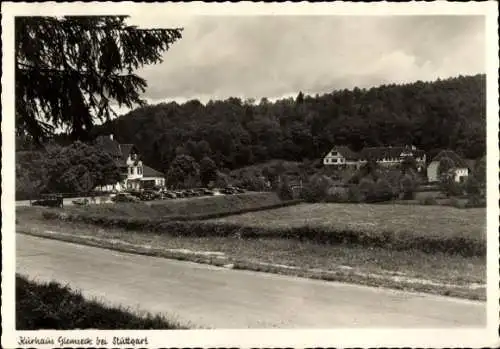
{"x":433,"y":249}
{"x":182,"y":209}
{"x":57,"y":307}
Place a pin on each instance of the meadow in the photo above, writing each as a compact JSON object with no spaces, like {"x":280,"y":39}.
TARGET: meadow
{"x":435,"y":249}
{"x":410,"y":220}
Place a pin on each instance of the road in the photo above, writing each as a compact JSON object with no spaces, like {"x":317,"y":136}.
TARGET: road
{"x":66,"y":201}
{"x":223,"y":298}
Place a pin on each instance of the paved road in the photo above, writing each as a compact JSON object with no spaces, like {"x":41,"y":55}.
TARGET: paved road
{"x":224,"y":298}
{"x":66,"y":201}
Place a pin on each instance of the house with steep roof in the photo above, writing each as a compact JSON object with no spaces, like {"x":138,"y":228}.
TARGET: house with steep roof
{"x":340,"y":156}
{"x":388,"y":156}
{"x":460,"y":169}
{"x":134,"y":174}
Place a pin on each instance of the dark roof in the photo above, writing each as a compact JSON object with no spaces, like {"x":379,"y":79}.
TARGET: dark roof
{"x":110,"y":146}
{"x":151,"y":172}
{"x":119,"y":152}
{"x":457,"y":160}
{"x":125,"y":150}
{"x":379,"y":153}
{"x":346,"y":152}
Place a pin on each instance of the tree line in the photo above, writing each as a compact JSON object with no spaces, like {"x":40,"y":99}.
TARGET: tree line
{"x":234,"y":133}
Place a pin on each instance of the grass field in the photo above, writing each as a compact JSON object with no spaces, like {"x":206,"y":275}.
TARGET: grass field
{"x":56,"y":307}
{"x":429,"y":221}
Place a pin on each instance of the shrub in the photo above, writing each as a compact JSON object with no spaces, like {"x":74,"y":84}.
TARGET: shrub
{"x":337,"y":194}
{"x":428,"y":201}
{"x":366,"y":188}
{"x":476,"y":201}
{"x":383,"y":190}
{"x":472,"y":186}
{"x":451,"y":188}
{"x":284,"y":190}
{"x":316,"y":188}
{"x":456,"y":202}
{"x":354,"y":195}
{"x":408,"y":187}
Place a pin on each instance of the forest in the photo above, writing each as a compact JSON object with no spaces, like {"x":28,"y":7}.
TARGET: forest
{"x":234,"y":133}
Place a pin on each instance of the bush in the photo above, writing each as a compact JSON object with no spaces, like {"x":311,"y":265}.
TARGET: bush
{"x":476,"y":201}
{"x":316,"y":188}
{"x":284,"y":190}
{"x":383,"y":190}
{"x":408,"y":187}
{"x":366,"y":188}
{"x":337,"y":194}
{"x":452,"y":188}
{"x":428,"y":201}
{"x":456,"y":202}
{"x":472,"y":186}
{"x":354,"y":194}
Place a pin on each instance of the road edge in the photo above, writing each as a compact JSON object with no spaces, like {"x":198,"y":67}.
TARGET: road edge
{"x":342,"y":274}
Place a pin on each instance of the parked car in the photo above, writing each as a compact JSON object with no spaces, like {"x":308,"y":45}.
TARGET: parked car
{"x":81,"y":201}
{"x":180,"y":194}
{"x":150,"y":195}
{"x":49,"y":201}
{"x":169,"y":195}
{"x":237,"y":190}
{"x":227,"y":191}
{"x":125,"y":197}
{"x":191,"y":192}
{"x":208,"y":192}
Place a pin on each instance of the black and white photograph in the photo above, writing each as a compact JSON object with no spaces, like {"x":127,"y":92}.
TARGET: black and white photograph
{"x":242,"y":173}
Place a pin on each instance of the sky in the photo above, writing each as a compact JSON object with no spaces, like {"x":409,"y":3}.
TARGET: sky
{"x":278,"y":56}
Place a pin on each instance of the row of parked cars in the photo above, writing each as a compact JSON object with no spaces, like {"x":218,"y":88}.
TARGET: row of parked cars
{"x":150,"y":195}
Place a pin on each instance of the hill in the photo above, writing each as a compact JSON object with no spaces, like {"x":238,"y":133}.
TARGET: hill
{"x":448,"y":113}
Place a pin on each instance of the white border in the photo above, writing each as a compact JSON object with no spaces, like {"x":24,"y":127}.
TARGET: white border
{"x":259,"y":338}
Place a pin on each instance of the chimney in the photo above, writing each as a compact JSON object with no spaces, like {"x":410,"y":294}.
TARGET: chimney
{"x":111,"y":136}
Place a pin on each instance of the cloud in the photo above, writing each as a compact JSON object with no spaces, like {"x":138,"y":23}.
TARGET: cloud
{"x":256,"y":56}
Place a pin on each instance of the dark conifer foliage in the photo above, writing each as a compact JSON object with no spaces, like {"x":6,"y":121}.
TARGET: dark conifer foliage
{"x":69,"y":70}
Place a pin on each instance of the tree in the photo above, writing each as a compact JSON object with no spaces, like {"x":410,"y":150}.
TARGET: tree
{"x":72,"y":169}
{"x":208,"y":171}
{"x":366,"y":187}
{"x":472,"y":186}
{"x":285,"y":190}
{"x":480,"y":171}
{"x":241,"y":134}
{"x":408,"y":163}
{"x":70,"y":69}
{"x":383,"y":190}
{"x":183,"y":172}
{"x":445,"y":165}
{"x":408,"y":187}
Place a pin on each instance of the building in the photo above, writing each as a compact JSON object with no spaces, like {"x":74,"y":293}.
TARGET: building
{"x":460,"y":169}
{"x":389,"y":156}
{"x":134,"y":174}
{"x":340,"y":156}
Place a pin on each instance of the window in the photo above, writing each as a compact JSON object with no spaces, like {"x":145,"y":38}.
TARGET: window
{"x":139,"y":170}
{"x":130,"y":170}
